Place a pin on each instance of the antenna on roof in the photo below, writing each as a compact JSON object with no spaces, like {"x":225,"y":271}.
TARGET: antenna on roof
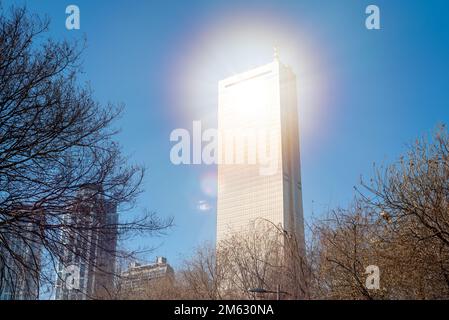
{"x":276,"y":53}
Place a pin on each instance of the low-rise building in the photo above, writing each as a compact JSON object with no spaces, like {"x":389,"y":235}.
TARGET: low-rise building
{"x":139,"y":280}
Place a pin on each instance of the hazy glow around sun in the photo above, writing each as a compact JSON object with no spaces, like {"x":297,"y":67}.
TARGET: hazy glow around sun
{"x":229,"y":45}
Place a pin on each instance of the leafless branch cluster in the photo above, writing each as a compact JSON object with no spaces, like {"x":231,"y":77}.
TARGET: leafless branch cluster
{"x":263,"y":257}
{"x":55,"y":139}
{"x":399,"y":222}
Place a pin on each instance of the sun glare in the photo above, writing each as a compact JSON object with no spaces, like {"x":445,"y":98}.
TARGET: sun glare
{"x":232,"y":45}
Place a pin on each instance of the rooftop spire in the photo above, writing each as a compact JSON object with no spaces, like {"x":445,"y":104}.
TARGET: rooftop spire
{"x":276,"y":54}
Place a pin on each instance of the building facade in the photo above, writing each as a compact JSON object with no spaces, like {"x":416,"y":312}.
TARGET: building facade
{"x":258,"y":149}
{"x":87,"y":268}
{"x":18,"y":250}
{"x":138,"y":281}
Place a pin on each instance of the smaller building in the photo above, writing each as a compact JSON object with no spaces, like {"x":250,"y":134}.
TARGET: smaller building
{"x":140,"y":279}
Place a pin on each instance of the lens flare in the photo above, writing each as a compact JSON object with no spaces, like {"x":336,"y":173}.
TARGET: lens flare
{"x":209,"y":184}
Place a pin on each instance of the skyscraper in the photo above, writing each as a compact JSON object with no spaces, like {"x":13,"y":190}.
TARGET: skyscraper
{"x":87,"y":268}
{"x":258,"y":149}
{"x":20,"y":254}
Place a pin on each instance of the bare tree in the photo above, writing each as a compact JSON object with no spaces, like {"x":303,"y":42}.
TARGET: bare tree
{"x":343,"y":246}
{"x":398,"y":222}
{"x":54,"y":139}
{"x":263,"y":257}
{"x":413,"y":195}
{"x":202,"y":277}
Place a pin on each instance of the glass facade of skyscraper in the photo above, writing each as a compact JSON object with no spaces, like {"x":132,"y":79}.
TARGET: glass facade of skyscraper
{"x":259,"y":164}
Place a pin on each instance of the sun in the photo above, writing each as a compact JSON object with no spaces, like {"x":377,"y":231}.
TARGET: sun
{"x":228,"y":45}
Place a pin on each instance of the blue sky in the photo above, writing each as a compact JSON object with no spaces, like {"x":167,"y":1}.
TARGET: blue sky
{"x":364,"y":94}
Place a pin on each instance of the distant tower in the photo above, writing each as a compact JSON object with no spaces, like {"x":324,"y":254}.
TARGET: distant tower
{"x":91,"y":250}
{"x":263,"y":100}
